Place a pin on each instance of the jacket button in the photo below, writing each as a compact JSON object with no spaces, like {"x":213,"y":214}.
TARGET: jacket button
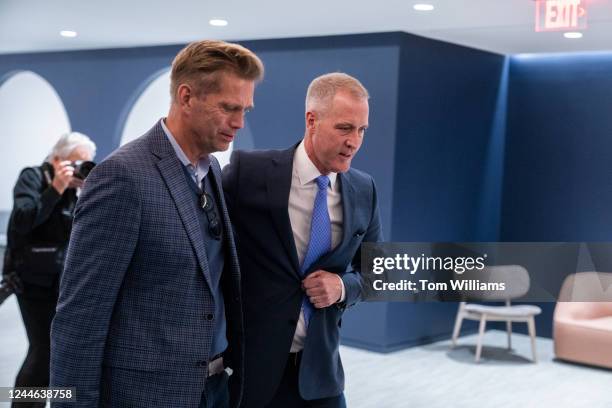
{"x":202,"y":363}
{"x":209,"y":316}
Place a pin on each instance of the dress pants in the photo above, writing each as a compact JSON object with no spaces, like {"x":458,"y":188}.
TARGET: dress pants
{"x":288,"y":393}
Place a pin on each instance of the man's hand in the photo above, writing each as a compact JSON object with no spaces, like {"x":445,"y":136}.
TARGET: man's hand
{"x":323,"y":288}
{"x":76,"y":183}
{"x":63,"y":175}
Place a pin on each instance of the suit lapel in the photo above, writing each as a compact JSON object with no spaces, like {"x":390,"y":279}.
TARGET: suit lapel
{"x":227,"y":226}
{"x":278,"y":186}
{"x":348,"y":204}
{"x":173,"y":175}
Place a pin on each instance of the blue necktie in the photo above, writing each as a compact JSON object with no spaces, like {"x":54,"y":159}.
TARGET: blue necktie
{"x":320,"y":237}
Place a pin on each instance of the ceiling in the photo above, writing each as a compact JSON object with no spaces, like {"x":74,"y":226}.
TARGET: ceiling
{"x":502,"y":26}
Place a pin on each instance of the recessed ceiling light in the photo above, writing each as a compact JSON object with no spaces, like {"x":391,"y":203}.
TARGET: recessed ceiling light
{"x":572,"y":35}
{"x":68,"y":33}
{"x":217,"y":22}
{"x":423,"y":7}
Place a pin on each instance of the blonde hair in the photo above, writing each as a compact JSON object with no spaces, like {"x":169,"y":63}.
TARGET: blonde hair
{"x":322,"y":90}
{"x":198,"y":63}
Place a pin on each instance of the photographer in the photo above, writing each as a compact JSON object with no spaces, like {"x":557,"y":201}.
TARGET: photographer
{"x":38,"y":234}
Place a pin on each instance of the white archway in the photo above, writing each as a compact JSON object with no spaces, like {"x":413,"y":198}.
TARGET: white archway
{"x":33,"y":117}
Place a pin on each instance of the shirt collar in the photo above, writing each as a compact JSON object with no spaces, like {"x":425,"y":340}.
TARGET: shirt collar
{"x":203,"y":164}
{"x":305,"y":168}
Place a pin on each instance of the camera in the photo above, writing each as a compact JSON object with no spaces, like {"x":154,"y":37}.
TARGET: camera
{"x":82,"y":168}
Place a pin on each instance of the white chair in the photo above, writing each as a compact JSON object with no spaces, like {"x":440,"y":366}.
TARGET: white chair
{"x":516,"y":279}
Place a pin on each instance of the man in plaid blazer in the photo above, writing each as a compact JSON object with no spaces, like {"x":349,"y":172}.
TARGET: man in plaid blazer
{"x":149,"y":313}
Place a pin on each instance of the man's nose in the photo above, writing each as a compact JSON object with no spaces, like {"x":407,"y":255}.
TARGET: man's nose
{"x":237,"y":120}
{"x":352,"y":141}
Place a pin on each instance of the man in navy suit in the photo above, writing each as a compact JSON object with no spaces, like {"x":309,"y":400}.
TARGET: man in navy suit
{"x":149,"y":312}
{"x":300,"y":216}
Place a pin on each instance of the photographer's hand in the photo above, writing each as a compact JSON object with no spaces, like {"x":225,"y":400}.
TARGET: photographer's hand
{"x":63,"y":175}
{"x":76,"y":183}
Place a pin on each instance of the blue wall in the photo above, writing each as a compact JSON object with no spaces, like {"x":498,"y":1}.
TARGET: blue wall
{"x":558,"y":184}
{"x":99,"y":87}
{"x":446,"y":145}
{"x":464,"y":145}
{"x":446,"y":113}
{"x":96,"y":87}
{"x":558,"y":161}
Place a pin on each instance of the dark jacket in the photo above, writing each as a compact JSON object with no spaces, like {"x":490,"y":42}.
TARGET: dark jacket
{"x":40,"y":217}
{"x":257,"y":186}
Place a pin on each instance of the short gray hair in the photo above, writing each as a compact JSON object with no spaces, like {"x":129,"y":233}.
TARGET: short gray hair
{"x":322,"y":89}
{"x":70,"y":141}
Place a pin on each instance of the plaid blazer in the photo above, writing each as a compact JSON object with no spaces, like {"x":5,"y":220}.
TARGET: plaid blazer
{"x":134,"y":318}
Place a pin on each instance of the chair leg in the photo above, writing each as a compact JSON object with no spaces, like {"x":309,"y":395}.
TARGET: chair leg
{"x":532,"y":334}
{"x":481,"y":330}
{"x":457,"y":329}
{"x":509,"y":330}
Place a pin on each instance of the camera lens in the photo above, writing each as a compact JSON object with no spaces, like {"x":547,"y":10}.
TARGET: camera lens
{"x":82,"y":168}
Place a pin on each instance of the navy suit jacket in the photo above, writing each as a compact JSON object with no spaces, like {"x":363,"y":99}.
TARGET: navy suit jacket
{"x":257,"y":186}
{"x":135,"y":315}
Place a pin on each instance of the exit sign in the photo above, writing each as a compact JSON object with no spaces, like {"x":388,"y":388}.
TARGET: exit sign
{"x":560,"y":15}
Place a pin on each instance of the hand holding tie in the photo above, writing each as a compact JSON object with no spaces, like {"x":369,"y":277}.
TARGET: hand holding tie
{"x":323,"y":288}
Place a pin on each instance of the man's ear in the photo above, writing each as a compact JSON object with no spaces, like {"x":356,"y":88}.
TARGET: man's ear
{"x":184,"y":94}
{"x":311,"y":119}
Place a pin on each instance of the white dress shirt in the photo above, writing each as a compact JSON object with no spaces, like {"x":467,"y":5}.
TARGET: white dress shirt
{"x":301,"y":204}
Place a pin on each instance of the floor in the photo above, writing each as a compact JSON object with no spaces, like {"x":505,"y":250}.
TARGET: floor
{"x":435,"y":376}
{"x":428,"y":376}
